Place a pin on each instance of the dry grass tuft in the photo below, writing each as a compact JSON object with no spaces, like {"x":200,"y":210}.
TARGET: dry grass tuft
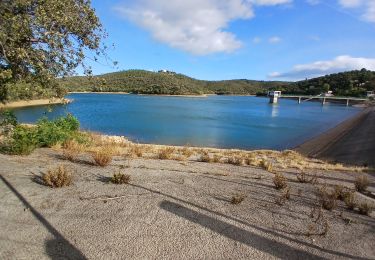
{"x":236,"y":160}
{"x":327,"y":199}
{"x":205,"y":158}
{"x":135,"y":151}
{"x":361,"y":183}
{"x":349,"y":201}
{"x":365,"y":209}
{"x":341,"y":192}
{"x":283,"y":197}
{"x":186,"y":151}
{"x":166,"y":153}
{"x":57,"y":178}
{"x":216,"y":158}
{"x":266,"y":165}
{"x":103,"y":156}
{"x":279,"y":181}
{"x":71,"y":150}
{"x":237,"y":198}
{"x":302,"y":177}
{"x":120,"y":178}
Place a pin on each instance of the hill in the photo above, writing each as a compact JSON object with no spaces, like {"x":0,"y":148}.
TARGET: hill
{"x":352,"y":83}
{"x":168,"y":83}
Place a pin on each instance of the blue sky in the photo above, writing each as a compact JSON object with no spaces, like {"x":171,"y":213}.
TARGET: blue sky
{"x":231,"y":39}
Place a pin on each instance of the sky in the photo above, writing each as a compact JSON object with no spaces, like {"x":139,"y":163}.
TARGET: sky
{"x":239,"y":39}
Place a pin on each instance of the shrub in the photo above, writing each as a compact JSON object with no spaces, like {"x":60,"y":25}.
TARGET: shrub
{"x":187,"y":152}
{"x":103,"y":156}
{"x":50,"y":133}
{"x":237,"y":198}
{"x":341,"y":192}
{"x":236,"y":161}
{"x":268,"y":166}
{"x":23,"y":141}
{"x":57,"y":178}
{"x":327,"y":199}
{"x":71,"y":149}
{"x":279,"y":181}
{"x":8,"y":118}
{"x":361,"y":183}
{"x":302,"y":177}
{"x":349,"y":200}
{"x":365,"y":209}
{"x":166,"y":153}
{"x":120,"y":178}
{"x":205,"y":158}
{"x":216,"y":158}
{"x":136,"y":151}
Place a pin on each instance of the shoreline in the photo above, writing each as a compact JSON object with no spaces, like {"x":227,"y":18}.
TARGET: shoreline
{"x":349,"y":142}
{"x":104,"y":92}
{"x":127,"y":93}
{"x":36,"y":102}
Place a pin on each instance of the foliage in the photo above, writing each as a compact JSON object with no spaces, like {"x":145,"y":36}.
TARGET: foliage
{"x":50,"y":133}
{"x":147,"y":82}
{"x":352,"y":83}
{"x":23,"y":139}
{"x":8,"y":118}
{"x":42,"y":40}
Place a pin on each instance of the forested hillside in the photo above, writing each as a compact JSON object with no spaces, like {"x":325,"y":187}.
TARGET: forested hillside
{"x":353,"y":83}
{"x":169,"y":83}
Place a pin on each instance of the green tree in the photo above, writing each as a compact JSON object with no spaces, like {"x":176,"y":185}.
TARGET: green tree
{"x":326,"y":87}
{"x":44,"y":39}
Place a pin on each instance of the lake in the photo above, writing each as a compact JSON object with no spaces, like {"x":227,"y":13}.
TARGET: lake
{"x":216,"y":121}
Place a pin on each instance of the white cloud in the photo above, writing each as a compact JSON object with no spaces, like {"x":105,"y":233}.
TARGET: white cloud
{"x":320,"y":68}
{"x":313,"y":2}
{"x":274,"y":39}
{"x":350,"y":3}
{"x":195,"y":26}
{"x":270,"y":2}
{"x":367,"y":7}
{"x":257,"y":40}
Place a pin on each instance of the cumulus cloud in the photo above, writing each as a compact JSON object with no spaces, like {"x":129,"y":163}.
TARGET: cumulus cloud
{"x":274,"y":39}
{"x":313,"y":2}
{"x":195,"y":26}
{"x":320,"y":68}
{"x":367,"y":7}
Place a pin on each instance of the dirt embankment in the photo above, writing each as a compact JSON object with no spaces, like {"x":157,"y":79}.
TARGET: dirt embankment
{"x":351,"y":142}
{"x":36,"y":102}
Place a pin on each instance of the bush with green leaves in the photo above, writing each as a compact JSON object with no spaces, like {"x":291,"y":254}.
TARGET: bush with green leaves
{"x":23,"y":139}
{"x":8,"y":118}
{"x":50,"y":133}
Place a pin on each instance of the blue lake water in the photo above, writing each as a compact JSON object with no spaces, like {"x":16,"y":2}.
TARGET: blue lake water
{"x":215,"y":121}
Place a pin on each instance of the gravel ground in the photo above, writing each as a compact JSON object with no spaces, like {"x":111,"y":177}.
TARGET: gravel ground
{"x":173,"y":210}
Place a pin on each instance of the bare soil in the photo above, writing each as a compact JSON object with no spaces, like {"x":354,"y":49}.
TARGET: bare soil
{"x":174,"y":210}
